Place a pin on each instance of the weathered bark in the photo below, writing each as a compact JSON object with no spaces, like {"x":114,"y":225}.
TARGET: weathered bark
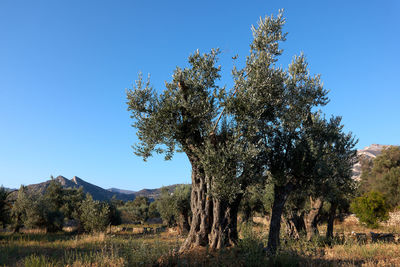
{"x":310,"y":218}
{"x":224,"y":229}
{"x":281,"y":194}
{"x":201,"y":205}
{"x":294,"y":224}
{"x":331,"y":219}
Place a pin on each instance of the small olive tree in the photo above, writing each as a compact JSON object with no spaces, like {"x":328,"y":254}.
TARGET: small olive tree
{"x":94,"y":215}
{"x":174,"y":207}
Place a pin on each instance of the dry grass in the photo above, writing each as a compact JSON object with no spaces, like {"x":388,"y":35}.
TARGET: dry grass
{"x":128,"y":249}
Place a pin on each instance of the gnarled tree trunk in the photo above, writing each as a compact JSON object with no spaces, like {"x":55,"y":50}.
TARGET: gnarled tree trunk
{"x":224,"y":229}
{"x":201,"y":205}
{"x":331,"y":219}
{"x":294,"y":224}
{"x":310,"y":218}
{"x":281,"y":194}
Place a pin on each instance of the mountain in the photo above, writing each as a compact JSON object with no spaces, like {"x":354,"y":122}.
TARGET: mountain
{"x":97,"y":192}
{"x":369,"y":152}
{"x":149,"y":193}
{"x":122,"y":191}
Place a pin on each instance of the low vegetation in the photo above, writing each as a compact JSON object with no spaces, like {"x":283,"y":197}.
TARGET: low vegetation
{"x":130,"y":249}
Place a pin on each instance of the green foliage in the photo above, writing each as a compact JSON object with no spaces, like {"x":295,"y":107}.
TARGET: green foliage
{"x":174,"y":206}
{"x":114,"y":214}
{"x":153,"y":210}
{"x":4,"y":207}
{"x":181,"y":198}
{"x":53,"y":199}
{"x":72,"y":200}
{"x":166,"y":207}
{"x":252,"y":201}
{"x":251,"y":246}
{"x":382,"y":174}
{"x":54,"y":194}
{"x":19,"y":208}
{"x":370,"y":208}
{"x":94,"y":215}
{"x":269,"y":130}
{"x":136,"y":210}
{"x":34,"y":210}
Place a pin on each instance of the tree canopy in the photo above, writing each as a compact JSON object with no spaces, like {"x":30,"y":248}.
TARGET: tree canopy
{"x":267,"y":127}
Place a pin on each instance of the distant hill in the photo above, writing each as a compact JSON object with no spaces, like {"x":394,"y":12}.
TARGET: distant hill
{"x":149,"y":193}
{"x":369,"y":152}
{"x":155,"y":193}
{"x":9,"y":189}
{"x":97,"y":192}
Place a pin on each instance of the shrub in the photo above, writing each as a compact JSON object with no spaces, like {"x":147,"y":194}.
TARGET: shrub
{"x":371,"y":208}
{"x":95,"y":215}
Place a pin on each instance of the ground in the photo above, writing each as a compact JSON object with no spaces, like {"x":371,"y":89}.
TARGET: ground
{"x":132,"y":248}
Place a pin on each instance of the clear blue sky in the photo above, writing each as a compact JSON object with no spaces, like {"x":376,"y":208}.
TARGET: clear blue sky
{"x":64,"y":67}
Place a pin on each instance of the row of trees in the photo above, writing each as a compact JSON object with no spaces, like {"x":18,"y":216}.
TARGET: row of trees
{"x":57,"y":206}
{"x":265,"y":129}
{"x":54,"y":207}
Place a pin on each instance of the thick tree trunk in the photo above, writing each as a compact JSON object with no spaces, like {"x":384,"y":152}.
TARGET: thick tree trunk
{"x":281,"y":194}
{"x":294,"y":224}
{"x":201,"y":205}
{"x":331,"y":218}
{"x":310,"y":218}
{"x":224,"y":229}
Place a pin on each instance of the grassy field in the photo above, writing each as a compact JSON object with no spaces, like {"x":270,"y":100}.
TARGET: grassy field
{"x":127,"y":249}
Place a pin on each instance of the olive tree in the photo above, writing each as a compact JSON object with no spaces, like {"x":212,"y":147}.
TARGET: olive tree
{"x":185,"y":118}
{"x":94,"y":215}
{"x":266,"y":131}
{"x":330,"y":181}
{"x":275,"y":109}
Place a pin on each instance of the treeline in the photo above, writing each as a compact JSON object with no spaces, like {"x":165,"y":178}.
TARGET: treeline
{"x":54,"y":208}
{"x":58,"y":207}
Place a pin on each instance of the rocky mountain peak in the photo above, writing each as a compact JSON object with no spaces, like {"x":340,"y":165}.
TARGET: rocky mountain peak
{"x":76,"y":180}
{"x":62,"y":180}
{"x":369,"y":152}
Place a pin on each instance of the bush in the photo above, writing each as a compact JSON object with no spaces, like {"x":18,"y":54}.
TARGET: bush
{"x":95,"y":215}
{"x":370,"y":208}
{"x":136,"y":210}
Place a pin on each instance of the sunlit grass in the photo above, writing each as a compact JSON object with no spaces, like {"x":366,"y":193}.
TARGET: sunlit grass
{"x":128,"y":249}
